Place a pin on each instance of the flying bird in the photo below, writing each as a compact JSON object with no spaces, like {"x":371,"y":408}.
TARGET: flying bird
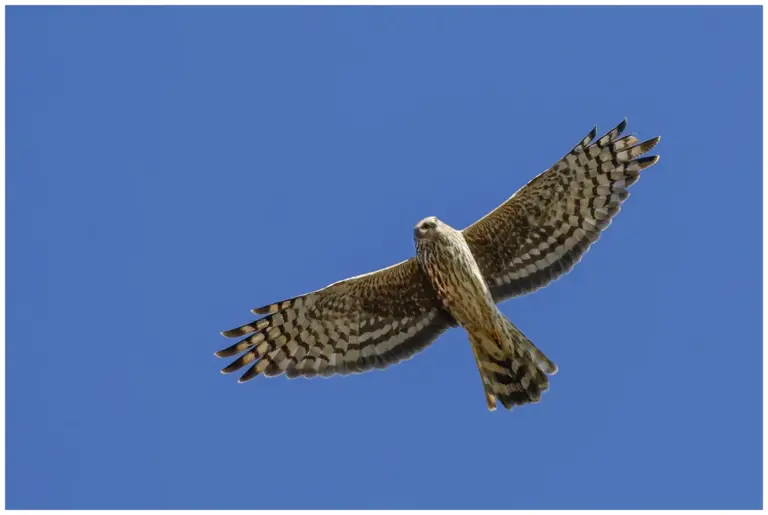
{"x":457,"y":278}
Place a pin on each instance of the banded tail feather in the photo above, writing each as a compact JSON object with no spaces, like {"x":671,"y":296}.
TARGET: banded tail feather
{"x":515,"y":376}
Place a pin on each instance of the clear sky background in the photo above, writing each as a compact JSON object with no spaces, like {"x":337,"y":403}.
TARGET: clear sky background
{"x":170,"y":168}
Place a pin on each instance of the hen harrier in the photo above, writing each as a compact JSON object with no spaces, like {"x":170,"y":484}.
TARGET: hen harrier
{"x":457,"y":278}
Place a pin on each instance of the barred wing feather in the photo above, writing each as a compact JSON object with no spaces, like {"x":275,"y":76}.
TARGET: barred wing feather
{"x":545,"y":228}
{"x":364,"y":322}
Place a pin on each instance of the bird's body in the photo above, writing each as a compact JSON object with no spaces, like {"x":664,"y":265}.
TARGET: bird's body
{"x":457,"y":278}
{"x":507,"y":362}
{"x":445,"y":257}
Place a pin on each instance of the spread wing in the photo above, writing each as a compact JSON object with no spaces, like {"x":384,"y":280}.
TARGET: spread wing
{"x":364,"y":322}
{"x":546,"y":227}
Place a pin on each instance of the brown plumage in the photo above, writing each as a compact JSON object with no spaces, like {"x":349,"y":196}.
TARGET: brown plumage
{"x":457,"y":278}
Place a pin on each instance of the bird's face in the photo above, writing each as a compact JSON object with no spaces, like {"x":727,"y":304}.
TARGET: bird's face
{"x":427,"y":228}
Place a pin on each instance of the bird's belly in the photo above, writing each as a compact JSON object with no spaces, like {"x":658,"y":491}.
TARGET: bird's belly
{"x":463,"y":291}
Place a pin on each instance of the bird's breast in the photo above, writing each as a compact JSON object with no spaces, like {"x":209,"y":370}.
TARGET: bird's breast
{"x":457,"y":280}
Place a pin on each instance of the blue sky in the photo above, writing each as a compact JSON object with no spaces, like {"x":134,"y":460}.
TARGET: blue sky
{"x":170,"y":168}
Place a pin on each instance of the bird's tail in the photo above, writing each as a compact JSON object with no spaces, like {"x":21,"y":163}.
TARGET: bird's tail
{"x":513,"y":370}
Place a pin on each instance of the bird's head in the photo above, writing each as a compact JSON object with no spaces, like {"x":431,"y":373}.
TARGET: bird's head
{"x":426,"y":228}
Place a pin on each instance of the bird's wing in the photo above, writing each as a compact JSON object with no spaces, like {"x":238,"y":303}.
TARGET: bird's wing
{"x":364,"y":322}
{"x":546,"y":227}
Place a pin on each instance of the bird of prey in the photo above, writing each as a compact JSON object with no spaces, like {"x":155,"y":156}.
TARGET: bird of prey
{"x":457,"y":278}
